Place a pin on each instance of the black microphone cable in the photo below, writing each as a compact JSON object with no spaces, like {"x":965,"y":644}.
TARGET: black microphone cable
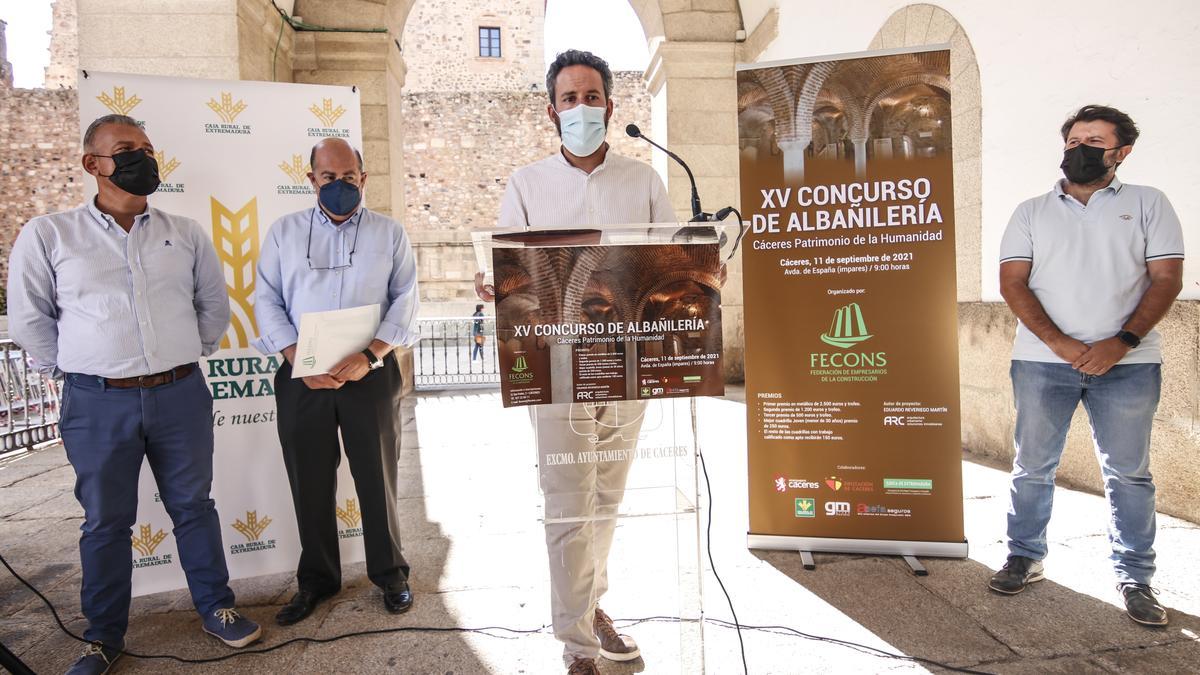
{"x":501,"y":632}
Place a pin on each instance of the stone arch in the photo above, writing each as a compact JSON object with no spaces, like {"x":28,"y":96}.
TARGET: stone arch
{"x":924,"y":24}
{"x":868,"y":112}
{"x":773,"y":83}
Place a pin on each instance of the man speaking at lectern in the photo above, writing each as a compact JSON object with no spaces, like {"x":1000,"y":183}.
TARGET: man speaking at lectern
{"x":582,"y":185}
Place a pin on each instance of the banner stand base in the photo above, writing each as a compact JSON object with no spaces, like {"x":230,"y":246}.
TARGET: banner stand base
{"x":916,"y":566}
{"x":907,"y":549}
{"x":806,"y":559}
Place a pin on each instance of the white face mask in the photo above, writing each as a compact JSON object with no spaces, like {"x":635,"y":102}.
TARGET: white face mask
{"x":582,"y":129}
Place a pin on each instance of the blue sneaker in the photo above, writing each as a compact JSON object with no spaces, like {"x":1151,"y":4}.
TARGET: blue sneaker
{"x":97,"y":659}
{"x":232,"y":628}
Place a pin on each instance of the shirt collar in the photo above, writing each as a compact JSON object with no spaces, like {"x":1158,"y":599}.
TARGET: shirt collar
{"x":353,"y":220}
{"x":106,"y":221}
{"x":562,"y":160}
{"x":1115,"y":186}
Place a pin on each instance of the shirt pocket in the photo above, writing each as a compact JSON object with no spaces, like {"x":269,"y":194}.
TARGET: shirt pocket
{"x":169,"y":266}
{"x":375,"y":270}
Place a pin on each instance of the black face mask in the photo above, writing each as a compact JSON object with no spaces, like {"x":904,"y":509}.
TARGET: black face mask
{"x":1084,"y":164}
{"x":136,"y":172}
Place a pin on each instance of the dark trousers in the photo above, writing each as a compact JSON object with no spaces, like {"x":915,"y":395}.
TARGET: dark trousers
{"x":368,"y":414}
{"x":107,"y":433}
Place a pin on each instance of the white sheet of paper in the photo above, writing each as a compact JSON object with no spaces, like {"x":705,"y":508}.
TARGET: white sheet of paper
{"x":328,"y":337}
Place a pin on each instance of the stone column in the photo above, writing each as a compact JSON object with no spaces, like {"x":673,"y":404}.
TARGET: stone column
{"x":185,"y":38}
{"x":860,"y":156}
{"x":5,"y":66}
{"x":695,"y":83}
{"x":793,"y":158}
{"x":361,"y":60}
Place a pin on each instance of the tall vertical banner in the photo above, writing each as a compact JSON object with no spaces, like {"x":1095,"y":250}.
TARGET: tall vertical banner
{"x":850,"y":304}
{"x":234,"y":157}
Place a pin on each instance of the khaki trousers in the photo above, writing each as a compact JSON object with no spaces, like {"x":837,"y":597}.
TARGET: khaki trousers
{"x":584,"y":456}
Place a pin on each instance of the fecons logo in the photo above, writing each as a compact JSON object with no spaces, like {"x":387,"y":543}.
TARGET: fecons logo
{"x":117,"y":102}
{"x":328,"y":116}
{"x":847,"y":329}
{"x":252,"y":529}
{"x":227,"y":111}
{"x":166,"y":167}
{"x":520,"y":372}
{"x":146,"y":542}
{"x":297,"y":172}
{"x":351,"y":517}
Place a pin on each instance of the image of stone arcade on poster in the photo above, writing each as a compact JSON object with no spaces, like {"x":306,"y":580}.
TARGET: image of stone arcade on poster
{"x":580,"y":321}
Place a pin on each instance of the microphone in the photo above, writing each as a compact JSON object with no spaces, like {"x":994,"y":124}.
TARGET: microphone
{"x":698,"y":214}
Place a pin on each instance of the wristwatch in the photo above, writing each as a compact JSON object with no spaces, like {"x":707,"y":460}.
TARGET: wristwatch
{"x":1129,"y":338}
{"x":373,"y":362}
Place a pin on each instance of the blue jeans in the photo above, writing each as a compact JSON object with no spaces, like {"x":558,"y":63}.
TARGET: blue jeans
{"x":107,"y":433}
{"x":1120,"y":405}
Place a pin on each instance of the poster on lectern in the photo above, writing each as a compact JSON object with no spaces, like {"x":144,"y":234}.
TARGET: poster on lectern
{"x":232,"y":156}
{"x":850,"y":305}
{"x":614,"y":314}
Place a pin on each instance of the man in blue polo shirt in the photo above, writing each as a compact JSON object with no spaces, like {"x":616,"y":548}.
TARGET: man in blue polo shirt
{"x":1088,"y":269}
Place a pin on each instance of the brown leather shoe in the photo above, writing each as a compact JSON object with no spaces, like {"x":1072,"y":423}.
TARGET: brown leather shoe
{"x":582,"y":666}
{"x":613,"y":646}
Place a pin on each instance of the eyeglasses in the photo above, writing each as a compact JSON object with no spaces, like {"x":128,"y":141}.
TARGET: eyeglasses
{"x":308,"y":247}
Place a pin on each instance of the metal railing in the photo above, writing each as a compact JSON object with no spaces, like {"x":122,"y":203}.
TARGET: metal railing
{"x":30,"y":407}
{"x":447,"y":356}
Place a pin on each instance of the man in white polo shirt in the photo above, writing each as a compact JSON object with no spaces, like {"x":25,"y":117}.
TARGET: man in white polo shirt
{"x":583,"y":184}
{"x":1089,"y":268}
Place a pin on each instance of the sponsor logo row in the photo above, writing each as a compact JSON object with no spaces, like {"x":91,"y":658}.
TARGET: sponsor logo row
{"x":806,"y":507}
{"x":913,"y":486}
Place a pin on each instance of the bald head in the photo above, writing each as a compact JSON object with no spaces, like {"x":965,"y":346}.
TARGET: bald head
{"x":334,"y":150}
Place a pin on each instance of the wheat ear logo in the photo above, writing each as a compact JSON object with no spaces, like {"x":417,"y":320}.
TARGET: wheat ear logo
{"x":235,"y":236}
{"x":117,"y":101}
{"x":350,"y":516}
{"x":327,"y":113}
{"x":148,"y":540}
{"x":297,"y":170}
{"x":253,"y":528}
{"x":165,"y":166}
{"x":848,"y":327}
{"x":227,"y":110}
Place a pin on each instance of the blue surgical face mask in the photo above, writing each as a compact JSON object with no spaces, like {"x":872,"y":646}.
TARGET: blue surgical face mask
{"x":582,"y":129}
{"x":340,"y":197}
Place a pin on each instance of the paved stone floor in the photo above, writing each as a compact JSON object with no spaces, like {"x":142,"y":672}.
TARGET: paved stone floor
{"x":470,"y":524}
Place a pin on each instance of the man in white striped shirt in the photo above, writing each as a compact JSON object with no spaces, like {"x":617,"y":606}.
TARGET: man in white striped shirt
{"x":583,"y":184}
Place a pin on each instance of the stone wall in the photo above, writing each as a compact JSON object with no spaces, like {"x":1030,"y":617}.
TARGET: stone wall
{"x":64,"y":46}
{"x":459,"y":150}
{"x":985,"y":341}
{"x":39,"y":159}
{"x":265,"y":43}
{"x":440,"y":45}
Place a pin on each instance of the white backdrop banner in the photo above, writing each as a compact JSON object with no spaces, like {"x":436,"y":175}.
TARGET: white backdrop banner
{"x":234,"y":157}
